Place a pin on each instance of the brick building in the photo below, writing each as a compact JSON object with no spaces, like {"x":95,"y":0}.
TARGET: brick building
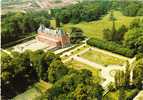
{"x":53,"y":38}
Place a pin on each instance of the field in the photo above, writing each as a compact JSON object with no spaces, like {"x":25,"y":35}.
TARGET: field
{"x":95,"y":28}
{"x":78,"y":65}
{"x":35,"y":92}
{"x":101,"y":58}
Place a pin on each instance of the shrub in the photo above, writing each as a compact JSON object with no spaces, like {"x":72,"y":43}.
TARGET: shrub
{"x":111,"y":46}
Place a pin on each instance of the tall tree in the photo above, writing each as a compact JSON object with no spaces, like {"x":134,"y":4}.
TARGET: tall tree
{"x":56,"y":71}
{"x":138,"y":73}
{"x":127,"y":75}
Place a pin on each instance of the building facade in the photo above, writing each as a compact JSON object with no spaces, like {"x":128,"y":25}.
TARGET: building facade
{"x":53,"y":38}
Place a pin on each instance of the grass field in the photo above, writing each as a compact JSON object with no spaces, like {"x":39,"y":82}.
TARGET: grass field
{"x":95,"y":28}
{"x":36,"y":91}
{"x":78,"y":65}
{"x":115,"y":94}
{"x":101,"y":58}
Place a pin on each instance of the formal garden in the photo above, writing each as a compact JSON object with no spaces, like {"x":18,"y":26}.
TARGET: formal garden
{"x":101,"y":58}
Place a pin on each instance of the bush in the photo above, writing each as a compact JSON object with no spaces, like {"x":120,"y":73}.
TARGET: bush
{"x":111,"y":46}
{"x":132,"y":94}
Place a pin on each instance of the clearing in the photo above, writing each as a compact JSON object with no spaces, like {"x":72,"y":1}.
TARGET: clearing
{"x":95,"y":28}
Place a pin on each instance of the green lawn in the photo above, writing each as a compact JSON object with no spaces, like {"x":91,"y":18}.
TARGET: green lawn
{"x":78,"y":65}
{"x":101,"y":58}
{"x":115,"y":94}
{"x":34,"y":92}
{"x":95,"y":28}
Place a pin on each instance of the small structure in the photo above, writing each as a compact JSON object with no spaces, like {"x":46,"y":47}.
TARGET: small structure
{"x":53,"y":38}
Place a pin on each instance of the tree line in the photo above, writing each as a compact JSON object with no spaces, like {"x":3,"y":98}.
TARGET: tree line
{"x":18,"y":25}
{"x":85,"y":11}
{"x":24,"y":69}
{"x":123,"y":80}
{"x":130,"y":37}
{"x":131,"y":8}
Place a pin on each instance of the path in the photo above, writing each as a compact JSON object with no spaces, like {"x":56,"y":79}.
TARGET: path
{"x":75,"y":54}
{"x":139,"y":96}
{"x":7,"y":52}
{"x":105,"y":71}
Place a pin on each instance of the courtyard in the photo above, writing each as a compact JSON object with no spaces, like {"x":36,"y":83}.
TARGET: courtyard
{"x":31,"y":45}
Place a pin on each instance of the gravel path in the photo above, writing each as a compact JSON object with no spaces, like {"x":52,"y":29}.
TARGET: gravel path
{"x":105,"y":71}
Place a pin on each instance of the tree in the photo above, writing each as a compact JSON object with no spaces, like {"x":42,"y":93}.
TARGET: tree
{"x":133,"y":39}
{"x":77,"y":84}
{"x":17,"y":74}
{"x":127,"y":75}
{"x":121,"y":94}
{"x":131,"y":8}
{"x":56,"y":71}
{"x":119,"y":79}
{"x":36,"y":59}
{"x":16,"y":25}
{"x":138,"y":73}
{"x":112,"y":18}
{"x":76,"y":35}
{"x":57,"y":22}
{"x":93,"y":91}
{"x":135,"y":23}
{"x":120,"y":33}
{"x":107,"y":34}
{"x":85,"y":11}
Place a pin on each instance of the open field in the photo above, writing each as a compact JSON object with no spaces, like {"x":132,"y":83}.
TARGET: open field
{"x":95,"y":28}
{"x":101,"y":58}
{"x":78,"y":65}
{"x":36,"y":91}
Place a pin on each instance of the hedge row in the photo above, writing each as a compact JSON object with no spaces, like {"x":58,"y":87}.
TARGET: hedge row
{"x":111,"y":46}
{"x":18,"y":41}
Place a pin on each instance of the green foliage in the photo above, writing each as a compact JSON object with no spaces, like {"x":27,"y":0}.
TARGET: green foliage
{"x":120,"y":33}
{"x":119,"y":79}
{"x":136,"y":23}
{"x":127,"y":75}
{"x":131,"y":8}
{"x":75,"y":85}
{"x":24,"y":69}
{"x":107,"y":34}
{"x":116,"y":35}
{"x":134,"y":39}
{"x":138,"y":73}
{"x":17,"y":74}
{"x":76,"y":35}
{"x":121,"y":94}
{"x":111,"y":46}
{"x":56,"y":70}
{"x":16,"y":25}
{"x":85,"y":11}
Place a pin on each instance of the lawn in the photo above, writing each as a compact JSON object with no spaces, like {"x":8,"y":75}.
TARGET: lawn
{"x":101,"y":58}
{"x":34,"y":92}
{"x":95,"y":28}
{"x":115,"y":94}
{"x":79,"y":65}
